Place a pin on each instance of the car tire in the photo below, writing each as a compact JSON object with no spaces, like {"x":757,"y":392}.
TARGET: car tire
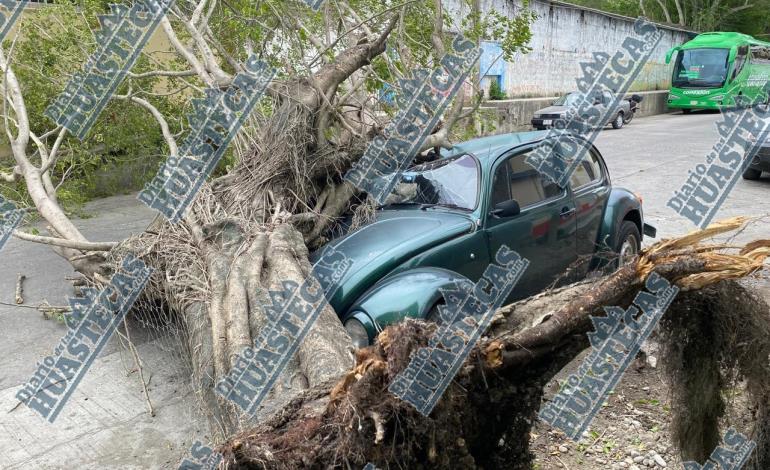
{"x":618,"y":122}
{"x":628,"y":244}
{"x":433,"y":314}
{"x":752,"y":174}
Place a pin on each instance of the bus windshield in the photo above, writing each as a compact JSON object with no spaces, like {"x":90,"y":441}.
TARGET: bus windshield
{"x":701,"y":68}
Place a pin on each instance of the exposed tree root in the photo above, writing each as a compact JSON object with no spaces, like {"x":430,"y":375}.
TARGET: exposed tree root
{"x":484,"y":418}
{"x":717,"y":340}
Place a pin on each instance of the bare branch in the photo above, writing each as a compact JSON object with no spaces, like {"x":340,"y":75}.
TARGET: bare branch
{"x":665,"y":10}
{"x":164,"y":73}
{"x":438,"y":30}
{"x":62,"y":242}
{"x":11,"y":177}
{"x":167,"y":135}
{"x":196,"y":64}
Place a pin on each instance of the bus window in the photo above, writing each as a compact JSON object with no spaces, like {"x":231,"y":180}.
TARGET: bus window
{"x":701,"y":68}
{"x":760,"y":55}
{"x":740,"y":60}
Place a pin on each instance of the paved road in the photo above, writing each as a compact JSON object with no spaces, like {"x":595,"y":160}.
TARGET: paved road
{"x":652,"y":157}
{"x":105,"y":424}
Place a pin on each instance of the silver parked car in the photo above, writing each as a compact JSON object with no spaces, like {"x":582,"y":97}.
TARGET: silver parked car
{"x":620,"y":115}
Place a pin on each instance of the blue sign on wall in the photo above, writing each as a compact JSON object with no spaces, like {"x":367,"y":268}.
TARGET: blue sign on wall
{"x":491,"y":50}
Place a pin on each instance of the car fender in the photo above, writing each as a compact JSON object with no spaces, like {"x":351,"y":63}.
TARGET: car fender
{"x":409,"y":293}
{"x":621,"y":204}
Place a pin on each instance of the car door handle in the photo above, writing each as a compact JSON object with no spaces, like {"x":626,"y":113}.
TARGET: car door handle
{"x":566,"y":212}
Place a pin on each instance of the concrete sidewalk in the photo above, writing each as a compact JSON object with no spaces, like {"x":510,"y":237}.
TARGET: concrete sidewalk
{"x":105,"y":424}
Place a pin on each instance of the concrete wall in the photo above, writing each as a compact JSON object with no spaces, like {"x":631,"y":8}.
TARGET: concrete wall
{"x":515,"y":115}
{"x":563,"y":36}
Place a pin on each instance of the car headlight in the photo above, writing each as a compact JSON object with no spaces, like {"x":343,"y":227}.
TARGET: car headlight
{"x":537,"y":116}
{"x":357,"y":333}
{"x":672,"y":97}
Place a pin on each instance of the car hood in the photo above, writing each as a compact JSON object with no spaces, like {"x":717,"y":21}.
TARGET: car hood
{"x":393,"y":238}
{"x":552,"y":110}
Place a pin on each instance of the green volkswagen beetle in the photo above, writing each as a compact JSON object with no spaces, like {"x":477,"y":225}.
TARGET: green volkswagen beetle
{"x":445,"y":219}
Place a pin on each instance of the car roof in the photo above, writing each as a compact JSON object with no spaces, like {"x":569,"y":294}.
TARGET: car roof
{"x":493,"y":146}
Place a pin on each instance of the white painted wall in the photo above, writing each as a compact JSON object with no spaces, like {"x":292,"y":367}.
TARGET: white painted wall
{"x":565,"y":35}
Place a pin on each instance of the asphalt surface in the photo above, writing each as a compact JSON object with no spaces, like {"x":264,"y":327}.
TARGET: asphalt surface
{"x":652,"y":157}
{"x":106,"y":424}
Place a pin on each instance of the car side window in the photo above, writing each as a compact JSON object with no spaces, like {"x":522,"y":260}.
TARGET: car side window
{"x":759,"y":55}
{"x":740,"y":60}
{"x":515,"y":179}
{"x":589,"y":171}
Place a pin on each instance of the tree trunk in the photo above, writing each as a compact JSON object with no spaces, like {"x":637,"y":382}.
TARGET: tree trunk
{"x":484,"y":418}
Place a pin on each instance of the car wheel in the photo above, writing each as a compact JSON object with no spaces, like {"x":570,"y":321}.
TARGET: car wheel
{"x":618,"y":122}
{"x":629,"y":243}
{"x":433,"y":314}
{"x":752,"y":174}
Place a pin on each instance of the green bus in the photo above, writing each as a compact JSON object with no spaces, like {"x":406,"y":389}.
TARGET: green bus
{"x":715,"y":70}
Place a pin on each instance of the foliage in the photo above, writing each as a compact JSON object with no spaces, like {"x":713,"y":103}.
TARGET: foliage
{"x":124,"y":148}
{"x":513,"y":32}
{"x":495,"y":93}
{"x":51,"y":43}
{"x":744,"y":16}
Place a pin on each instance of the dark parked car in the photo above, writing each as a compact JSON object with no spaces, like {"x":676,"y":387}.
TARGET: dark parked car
{"x":621,"y":114}
{"x":447,"y":218}
{"x":760,"y":162}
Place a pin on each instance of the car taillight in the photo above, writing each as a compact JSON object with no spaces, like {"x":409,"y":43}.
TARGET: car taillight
{"x":639,"y":196}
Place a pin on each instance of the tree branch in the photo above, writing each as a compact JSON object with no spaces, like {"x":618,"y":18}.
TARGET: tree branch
{"x":62,"y":242}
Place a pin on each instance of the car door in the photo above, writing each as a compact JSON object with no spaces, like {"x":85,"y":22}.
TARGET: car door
{"x":544,"y":230}
{"x":607,"y":99}
{"x":590,"y":191}
{"x":599,"y":109}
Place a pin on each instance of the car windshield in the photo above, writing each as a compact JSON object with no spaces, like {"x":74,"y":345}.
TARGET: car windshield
{"x":449,"y":182}
{"x":704,"y":68}
{"x":571,"y":99}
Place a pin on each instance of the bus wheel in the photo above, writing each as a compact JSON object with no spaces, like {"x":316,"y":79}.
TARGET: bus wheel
{"x":686,"y":111}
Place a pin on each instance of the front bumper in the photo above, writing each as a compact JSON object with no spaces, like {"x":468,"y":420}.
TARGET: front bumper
{"x":714,"y":99}
{"x":542,"y":123}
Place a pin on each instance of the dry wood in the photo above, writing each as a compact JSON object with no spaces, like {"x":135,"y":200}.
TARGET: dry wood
{"x":355,"y":420}
{"x":19,"y":297}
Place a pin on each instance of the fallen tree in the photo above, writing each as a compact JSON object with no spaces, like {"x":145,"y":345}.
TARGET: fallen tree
{"x":251,"y":228}
{"x":485,"y":417}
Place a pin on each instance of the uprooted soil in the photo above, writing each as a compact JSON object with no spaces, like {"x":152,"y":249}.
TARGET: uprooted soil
{"x":633,"y":429}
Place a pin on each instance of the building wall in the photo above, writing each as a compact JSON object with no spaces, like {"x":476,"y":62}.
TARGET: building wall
{"x":563,"y":36}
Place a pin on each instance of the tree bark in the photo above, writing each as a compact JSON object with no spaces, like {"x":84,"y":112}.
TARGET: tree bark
{"x":484,"y":418}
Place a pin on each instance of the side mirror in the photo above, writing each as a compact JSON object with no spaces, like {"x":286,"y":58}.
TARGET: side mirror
{"x":671,"y":52}
{"x":597,"y":101}
{"x":506,"y":209}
